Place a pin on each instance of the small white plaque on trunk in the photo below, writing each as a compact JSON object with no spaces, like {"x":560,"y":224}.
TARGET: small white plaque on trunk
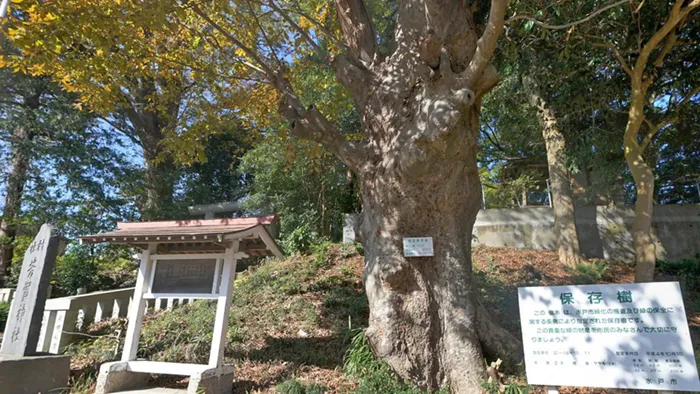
{"x":418,"y":246}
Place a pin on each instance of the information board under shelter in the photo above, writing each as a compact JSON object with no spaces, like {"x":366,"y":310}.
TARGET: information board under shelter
{"x":618,"y":336}
{"x":184,"y":276}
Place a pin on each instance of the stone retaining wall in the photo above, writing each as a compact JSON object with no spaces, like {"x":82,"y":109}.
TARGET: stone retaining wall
{"x":604,"y":232}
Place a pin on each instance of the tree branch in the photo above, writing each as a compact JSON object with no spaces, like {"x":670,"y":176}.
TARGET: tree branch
{"x":492,"y":139}
{"x":567,"y":25}
{"x":670,"y":119}
{"x":127,"y":133}
{"x":310,"y":124}
{"x":264,"y":35}
{"x":617,"y":54}
{"x":262,"y":66}
{"x":301,"y":31}
{"x":487,"y":42}
{"x":319,"y":25}
{"x":677,"y":14}
{"x":357,"y":28}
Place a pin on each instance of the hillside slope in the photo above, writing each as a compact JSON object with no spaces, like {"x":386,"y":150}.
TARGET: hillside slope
{"x":293,"y":320}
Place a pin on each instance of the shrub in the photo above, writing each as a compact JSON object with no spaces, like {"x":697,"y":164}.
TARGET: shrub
{"x":588,"y":272}
{"x":294,"y":386}
{"x":4,"y":311}
{"x":300,"y":240}
{"x":76,"y":269}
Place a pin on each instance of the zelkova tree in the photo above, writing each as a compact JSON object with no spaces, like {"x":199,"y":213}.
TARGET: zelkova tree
{"x":417,"y":166}
{"x":416,"y":161}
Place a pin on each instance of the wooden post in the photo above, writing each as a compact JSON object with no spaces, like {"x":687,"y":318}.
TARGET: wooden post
{"x":223,"y":306}
{"x":136,"y":311}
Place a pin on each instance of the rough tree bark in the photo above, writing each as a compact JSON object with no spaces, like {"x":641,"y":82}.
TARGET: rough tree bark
{"x":562,"y":196}
{"x":16,"y":179}
{"x":417,"y":169}
{"x":641,"y":78}
{"x":418,"y":172}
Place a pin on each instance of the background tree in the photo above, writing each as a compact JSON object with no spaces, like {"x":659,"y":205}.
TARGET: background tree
{"x":658,"y":93}
{"x":301,"y":182}
{"x":131,"y":93}
{"x":57,"y":161}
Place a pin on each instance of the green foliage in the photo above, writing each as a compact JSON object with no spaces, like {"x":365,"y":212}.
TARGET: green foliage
{"x":215,"y":176}
{"x":183,"y":334}
{"x":76,"y":269}
{"x":301,"y":182}
{"x":359,"y":359}
{"x":4,"y":312}
{"x":492,"y":387}
{"x":93,"y":267}
{"x":588,"y":272}
{"x":300,"y":240}
{"x":512,"y":386}
{"x":506,"y":193}
{"x":375,"y":377}
{"x":294,"y":386}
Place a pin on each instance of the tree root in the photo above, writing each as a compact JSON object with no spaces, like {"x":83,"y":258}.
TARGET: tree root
{"x":497,"y":342}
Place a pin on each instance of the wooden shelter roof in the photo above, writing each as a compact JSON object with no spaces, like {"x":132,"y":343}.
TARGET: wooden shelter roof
{"x":195,"y":236}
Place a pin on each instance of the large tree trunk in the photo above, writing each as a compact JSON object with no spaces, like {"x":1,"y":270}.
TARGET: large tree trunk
{"x":644,"y":247}
{"x":160,"y":183}
{"x":562,"y":197}
{"x":19,"y":165}
{"x":417,"y":168}
{"x":150,"y":125}
{"x":425,"y":320}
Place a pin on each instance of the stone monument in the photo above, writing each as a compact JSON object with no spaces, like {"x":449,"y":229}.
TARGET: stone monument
{"x":22,"y":369}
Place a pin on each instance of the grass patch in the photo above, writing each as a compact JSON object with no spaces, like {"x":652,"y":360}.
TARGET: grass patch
{"x":588,"y":272}
{"x":374,"y":376}
{"x":294,"y":386}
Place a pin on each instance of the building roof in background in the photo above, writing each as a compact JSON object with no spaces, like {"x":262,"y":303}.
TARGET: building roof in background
{"x":194,"y":234}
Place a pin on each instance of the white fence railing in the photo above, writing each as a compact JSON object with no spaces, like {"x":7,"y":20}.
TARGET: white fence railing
{"x":66,"y":318}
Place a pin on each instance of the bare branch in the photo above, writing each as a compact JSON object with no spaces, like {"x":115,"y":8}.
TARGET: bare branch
{"x":352,"y":74}
{"x":320,"y":26}
{"x":669,"y":43}
{"x":567,"y":25}
{"x":127,"y":133}
{"x":487,"y":43}
{"x":262,"y":32}
{"x":357,"y":28}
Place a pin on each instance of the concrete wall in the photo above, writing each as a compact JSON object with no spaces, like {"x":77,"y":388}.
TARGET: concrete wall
{"x":604,"y":232}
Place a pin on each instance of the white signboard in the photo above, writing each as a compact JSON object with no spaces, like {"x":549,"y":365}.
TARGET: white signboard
{"x":418,"y":246}
{"x":619,"y":336}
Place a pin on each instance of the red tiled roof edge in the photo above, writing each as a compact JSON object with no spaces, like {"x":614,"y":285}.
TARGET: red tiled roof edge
{"x":252,"y":221}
